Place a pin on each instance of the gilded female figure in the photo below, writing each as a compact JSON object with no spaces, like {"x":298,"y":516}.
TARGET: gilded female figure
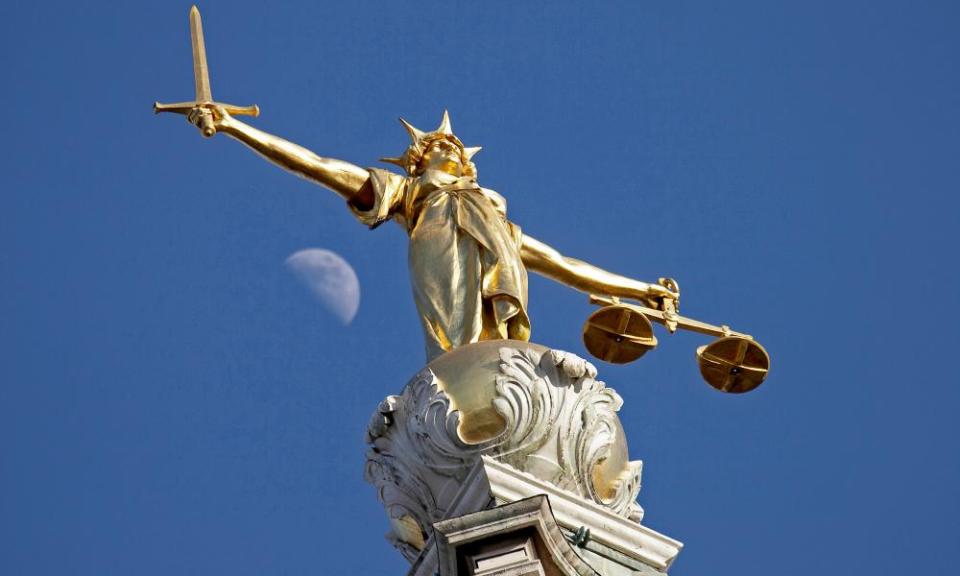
{"x":468,"y":262}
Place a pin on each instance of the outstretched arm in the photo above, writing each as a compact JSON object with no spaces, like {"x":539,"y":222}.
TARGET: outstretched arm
{"x":349,"y":181}
{"x":577,"y":274}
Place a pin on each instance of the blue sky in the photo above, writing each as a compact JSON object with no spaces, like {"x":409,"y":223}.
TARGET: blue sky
{"x":173,"y":401}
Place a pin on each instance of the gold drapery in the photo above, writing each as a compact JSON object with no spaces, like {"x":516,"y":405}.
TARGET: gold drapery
{"x":469,"y":283}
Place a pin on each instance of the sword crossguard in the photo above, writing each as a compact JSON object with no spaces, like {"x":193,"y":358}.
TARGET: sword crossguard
{"x":206,"y":120}
{"x":185,"y":108}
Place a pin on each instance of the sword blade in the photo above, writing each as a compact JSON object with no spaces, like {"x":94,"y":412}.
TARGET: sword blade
{"x":201,"y":75}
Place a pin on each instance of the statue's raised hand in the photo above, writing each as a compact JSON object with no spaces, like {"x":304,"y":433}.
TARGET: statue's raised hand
{"x":209,"y":118}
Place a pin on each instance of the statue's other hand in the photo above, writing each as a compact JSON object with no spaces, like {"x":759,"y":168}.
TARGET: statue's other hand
{"x":209,"y":118}
{"x":657,"y":295}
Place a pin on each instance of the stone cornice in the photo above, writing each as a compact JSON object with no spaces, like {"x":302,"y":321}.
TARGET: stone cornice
{"x":507,"y":484}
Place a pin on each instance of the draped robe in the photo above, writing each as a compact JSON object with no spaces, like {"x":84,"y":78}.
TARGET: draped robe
{"x":468,"y":281}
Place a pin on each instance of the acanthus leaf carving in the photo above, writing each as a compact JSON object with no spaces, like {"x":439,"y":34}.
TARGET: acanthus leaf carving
{"x":561,"y":424}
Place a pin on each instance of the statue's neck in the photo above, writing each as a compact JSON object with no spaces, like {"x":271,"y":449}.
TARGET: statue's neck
{"x":440,"y":178}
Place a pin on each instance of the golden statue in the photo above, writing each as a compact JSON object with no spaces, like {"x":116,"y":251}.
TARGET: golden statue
{"x":468,"y":262}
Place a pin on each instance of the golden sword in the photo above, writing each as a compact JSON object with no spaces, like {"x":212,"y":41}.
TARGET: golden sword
{"x":201,"y":77}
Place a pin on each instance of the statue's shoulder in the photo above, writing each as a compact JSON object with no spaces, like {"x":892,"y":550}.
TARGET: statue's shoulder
{"x":498,"y":201}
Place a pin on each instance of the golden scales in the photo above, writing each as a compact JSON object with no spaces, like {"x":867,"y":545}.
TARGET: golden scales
{"x":622,"y":332}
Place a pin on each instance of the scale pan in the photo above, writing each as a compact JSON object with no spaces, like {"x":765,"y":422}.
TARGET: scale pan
{"x":733,"y":364}
{"x":618,"y":334}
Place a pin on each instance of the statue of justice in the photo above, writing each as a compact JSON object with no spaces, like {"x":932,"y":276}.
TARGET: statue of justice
{"x":468,"y":262}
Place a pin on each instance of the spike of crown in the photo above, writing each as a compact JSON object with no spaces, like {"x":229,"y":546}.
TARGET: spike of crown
{"x":420,"y":141}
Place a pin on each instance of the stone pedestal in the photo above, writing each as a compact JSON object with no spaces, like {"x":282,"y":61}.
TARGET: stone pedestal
{"x":493,"y":424}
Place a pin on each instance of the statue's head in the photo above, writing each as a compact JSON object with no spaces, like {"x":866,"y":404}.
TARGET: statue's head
{"x":440,"y":150}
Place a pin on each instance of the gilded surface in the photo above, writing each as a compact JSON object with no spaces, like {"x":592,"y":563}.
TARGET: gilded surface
{"x":464,"y":376}
{"x":468,"y":262}
{"x":468,"y":280}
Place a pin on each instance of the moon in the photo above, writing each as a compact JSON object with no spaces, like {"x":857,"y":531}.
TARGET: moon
{"x":330,"y":279}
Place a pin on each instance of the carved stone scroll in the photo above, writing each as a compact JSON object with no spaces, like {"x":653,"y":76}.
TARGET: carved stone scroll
{"x":561,"y":427}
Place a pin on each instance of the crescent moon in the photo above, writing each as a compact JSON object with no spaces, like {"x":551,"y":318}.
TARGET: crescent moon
{"x":330,"y":279}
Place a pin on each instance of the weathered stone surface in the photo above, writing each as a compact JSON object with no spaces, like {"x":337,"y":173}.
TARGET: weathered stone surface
{"x":522,"y":407}
{"x":521,"y":538}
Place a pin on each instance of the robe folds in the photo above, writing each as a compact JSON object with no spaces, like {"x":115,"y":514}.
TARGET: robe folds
{"x":468,"y":280}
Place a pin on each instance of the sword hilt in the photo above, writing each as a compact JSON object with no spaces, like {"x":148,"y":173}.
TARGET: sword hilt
{"x":185,"y":108}
{"x":207,"y":126}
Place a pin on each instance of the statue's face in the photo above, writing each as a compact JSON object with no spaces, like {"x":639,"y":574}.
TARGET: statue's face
{"x":443,"y":155}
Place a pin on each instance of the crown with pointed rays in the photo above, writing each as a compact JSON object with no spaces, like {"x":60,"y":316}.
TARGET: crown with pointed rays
{"x":420,"y":142}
